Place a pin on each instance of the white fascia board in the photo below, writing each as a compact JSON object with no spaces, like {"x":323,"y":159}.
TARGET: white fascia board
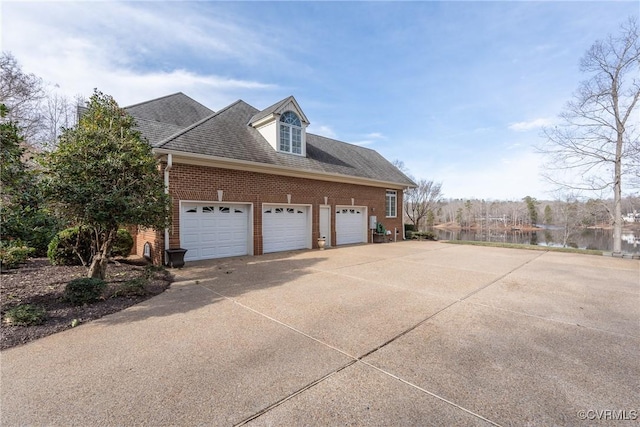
{"x":227,"y":163}
{"x":263,"y":121}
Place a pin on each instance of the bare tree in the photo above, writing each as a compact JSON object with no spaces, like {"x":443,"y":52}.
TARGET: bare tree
{"x":23,"y":95}
{"x":60,"y":112}
{"x":568,"y":214}
{"x":596,"y":144}
{"x":419,"y":201}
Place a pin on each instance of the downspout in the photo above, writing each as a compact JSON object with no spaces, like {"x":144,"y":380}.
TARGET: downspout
{"x":404,"y":236}
{"x":166,"y":190}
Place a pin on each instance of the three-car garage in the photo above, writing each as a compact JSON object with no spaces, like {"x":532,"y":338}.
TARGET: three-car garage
{"x":218,"y":230}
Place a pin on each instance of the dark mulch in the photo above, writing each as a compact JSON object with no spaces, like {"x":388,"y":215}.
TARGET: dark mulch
{"x":38,"y":282}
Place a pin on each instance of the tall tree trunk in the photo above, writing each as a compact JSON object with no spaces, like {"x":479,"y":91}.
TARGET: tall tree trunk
{"x":617,"y":198}
{"x":98,"y":268}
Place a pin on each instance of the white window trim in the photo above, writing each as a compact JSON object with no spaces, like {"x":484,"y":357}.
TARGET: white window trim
{"x":395,"y":204}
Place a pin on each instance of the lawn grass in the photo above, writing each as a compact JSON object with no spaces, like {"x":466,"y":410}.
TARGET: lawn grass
{"x":522,"y":246}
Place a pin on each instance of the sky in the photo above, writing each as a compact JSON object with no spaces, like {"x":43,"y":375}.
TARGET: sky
{"x":457,"y":90}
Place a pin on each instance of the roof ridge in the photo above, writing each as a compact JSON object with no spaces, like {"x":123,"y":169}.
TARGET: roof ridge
{"x":198,"y":123}
{"x":159,"y":98}
{"x":343,"y":142}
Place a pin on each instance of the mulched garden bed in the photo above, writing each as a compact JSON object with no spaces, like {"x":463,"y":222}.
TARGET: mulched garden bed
{"x":40,"y":283}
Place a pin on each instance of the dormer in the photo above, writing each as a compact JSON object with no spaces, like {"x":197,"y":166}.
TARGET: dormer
{"x":284,"y":126}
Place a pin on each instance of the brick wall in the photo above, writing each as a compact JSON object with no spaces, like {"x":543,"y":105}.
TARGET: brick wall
{"x":200,"y":183}
{"x":155,"y":239}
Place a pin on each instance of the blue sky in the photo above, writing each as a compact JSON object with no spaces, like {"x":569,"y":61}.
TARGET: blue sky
{"x":456,"y":90}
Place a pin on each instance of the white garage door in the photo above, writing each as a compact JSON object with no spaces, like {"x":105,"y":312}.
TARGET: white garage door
{"x":350,"y":225}
{"x":214,"y":230}
{"x":285,"y":228}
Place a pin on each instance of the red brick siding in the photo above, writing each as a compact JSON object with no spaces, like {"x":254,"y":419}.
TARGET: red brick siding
{"x":155,"y":239}
{"x":201,"y":183}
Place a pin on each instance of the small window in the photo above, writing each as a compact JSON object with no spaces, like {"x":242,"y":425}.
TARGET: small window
{"x":208,"y":209}
{"x":192,"y":210}
{"x":279,"y":210}
{"x":391,"y":208}
{"x":236,"y":210}
{"x":291,"y":210}
{"x":224,"y":209}
{"x":300,"y":212}
{"x":268,"y":211}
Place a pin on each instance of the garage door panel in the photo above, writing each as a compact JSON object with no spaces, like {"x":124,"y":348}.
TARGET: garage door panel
{"x":209,"y":230}
{"x":350,"y":225}
{"x":189,"y":239}
{"x":285,"y":228}
{"x":208,"y":238}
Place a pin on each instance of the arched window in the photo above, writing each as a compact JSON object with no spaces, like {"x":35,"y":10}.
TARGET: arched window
{"x":290,"y":133}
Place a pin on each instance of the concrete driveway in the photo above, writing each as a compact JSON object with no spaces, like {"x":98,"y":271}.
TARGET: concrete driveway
{"x":410,"y":333}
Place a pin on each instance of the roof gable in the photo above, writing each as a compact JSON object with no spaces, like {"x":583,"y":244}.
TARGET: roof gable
{"x":287,"y":104}
{"x":177,"y":109}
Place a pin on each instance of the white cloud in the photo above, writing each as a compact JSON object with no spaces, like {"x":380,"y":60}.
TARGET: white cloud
{"x":375,"y":135}
{"x":322,"y":130}
{"x":369,"y":139}
{"x":506,"y":178}
{"x":530,"y":125}
{"x":127,"y":50}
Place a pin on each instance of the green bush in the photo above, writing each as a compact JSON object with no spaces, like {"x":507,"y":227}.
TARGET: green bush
{"x":61,"y":247}
{"x":35,"y":227}
{"x":134,"y":287}
{"x":14,"y":253}
{"x":84,"y":290}
{"x":26,"y":315}
{"x":123,"y":244}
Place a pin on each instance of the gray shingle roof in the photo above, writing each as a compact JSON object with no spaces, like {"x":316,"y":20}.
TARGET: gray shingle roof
{"x":156,"y":132}
{"x":227,"y":134}
{"x":160,"y":118}
{"x":176,"y":109}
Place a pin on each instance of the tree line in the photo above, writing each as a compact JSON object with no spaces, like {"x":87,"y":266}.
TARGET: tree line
{"x":567,"y":211}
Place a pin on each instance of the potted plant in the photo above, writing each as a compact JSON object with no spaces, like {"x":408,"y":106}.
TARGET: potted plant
{"x":380,"y":234}
{"x":322,"y":241}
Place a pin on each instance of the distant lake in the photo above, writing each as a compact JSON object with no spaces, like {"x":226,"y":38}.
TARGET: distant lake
{"x":597,"y":239}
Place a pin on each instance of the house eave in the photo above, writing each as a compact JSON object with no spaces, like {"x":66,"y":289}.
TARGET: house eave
{"x":234,"y":164}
